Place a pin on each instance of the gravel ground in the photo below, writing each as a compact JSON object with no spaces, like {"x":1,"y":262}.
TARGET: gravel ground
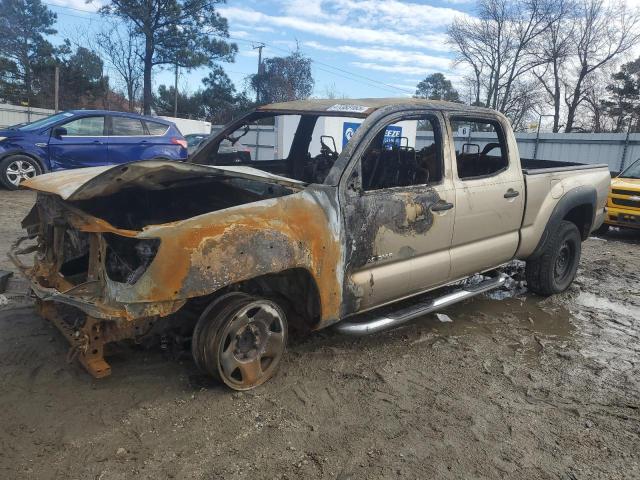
{"x":516,"y":386}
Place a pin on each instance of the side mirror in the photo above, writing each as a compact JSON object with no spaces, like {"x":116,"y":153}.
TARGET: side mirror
{"x":59,"y":132}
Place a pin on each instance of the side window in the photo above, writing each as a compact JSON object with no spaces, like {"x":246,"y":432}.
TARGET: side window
{"x":126,"y":127}
{"x":480,"y":147}
{"x":157,"y":129}
{"x":403,"y":153}
{"x":85,"y":127}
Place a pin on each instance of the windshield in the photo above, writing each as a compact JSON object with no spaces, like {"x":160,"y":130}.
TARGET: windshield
{"x":633,"y":171}
{"x":43,"y":122}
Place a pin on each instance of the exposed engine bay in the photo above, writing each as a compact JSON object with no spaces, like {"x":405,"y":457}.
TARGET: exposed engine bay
{"x":135,"y":208}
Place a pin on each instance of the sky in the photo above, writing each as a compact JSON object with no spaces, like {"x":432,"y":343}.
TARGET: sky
{"x":359,"y":48}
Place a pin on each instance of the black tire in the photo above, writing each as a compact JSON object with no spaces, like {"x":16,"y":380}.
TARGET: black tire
{"x":555,"y":269}
{"x":241,"y":340}
{"x":16,"y":168}
{"x":602,"y":230}
{"x":197,"y":339}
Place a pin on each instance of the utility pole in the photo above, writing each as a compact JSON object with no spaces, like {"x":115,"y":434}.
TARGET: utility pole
{"x":259,"y":47}
{"x":56,"y":88}
{"x":175,"y":91}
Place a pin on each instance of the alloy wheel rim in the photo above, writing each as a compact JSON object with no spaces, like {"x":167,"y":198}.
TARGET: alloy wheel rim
{"x":19,"y":170}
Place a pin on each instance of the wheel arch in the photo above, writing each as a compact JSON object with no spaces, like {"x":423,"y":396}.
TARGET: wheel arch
{"x":576,"y":206}
{"x":296,"y":286}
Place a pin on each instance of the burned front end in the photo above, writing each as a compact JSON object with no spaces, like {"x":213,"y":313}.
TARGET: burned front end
{"x":114,"y":253}
{"x":77,"y":267}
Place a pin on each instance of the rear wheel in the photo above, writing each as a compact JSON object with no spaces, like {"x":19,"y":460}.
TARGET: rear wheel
{"x":17,"y":168}
{"x":241,"y":340}
{"x":555,"y":269}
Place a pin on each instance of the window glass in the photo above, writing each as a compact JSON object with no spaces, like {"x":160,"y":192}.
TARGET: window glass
{"x":156,"y":128}
{"x":127,"y":127}
{"x":480,"y":147}
{"x":85,"y":127}
{"x":404,"y":153}
{"x":45,"y":122}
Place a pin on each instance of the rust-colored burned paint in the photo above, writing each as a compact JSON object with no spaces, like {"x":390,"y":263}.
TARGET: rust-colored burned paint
{"x":201,"y":255}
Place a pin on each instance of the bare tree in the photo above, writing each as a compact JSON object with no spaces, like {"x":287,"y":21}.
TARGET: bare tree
{"x":497,"y":46}
{"x":122,"y":49}
{"x":604,"y":31}
{"x":554,"y":46}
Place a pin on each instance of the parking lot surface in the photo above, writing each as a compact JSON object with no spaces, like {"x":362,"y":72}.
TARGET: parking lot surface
{"x":515,"y":386}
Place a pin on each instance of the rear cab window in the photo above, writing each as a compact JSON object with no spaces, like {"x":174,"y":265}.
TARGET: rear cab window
{"x":480,"y":147}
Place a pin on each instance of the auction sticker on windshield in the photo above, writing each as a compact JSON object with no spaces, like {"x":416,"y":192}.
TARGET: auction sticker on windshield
{"x":343,"y":107}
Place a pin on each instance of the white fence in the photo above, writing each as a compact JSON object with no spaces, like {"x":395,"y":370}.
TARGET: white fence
{"x":15,"y":114}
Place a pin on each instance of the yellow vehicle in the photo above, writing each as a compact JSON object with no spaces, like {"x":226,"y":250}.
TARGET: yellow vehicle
{"x":623,"y":204}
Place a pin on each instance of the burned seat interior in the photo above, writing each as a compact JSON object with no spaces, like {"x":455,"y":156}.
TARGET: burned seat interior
{"x":400,"y":161}
{"x":306,"y":156}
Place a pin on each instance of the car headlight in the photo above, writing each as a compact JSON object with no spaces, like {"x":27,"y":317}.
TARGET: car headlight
{"x":2,"y":138}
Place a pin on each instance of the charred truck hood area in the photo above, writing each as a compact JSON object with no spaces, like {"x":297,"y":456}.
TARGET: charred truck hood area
{"x":99,"y":230}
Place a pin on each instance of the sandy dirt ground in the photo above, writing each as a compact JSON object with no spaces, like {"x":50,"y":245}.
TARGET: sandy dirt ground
{"x":516,"y":386}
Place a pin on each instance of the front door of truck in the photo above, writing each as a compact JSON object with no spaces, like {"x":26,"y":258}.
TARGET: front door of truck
{"x":489,"y":192}
{"x":399,"y":207}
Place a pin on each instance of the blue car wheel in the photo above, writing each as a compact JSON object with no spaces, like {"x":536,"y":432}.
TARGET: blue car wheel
{"x":16,"y":168}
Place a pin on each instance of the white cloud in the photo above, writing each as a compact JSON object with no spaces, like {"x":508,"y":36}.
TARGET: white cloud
{"x":338,"y":31}
{"x":388,"y":55}
{"x":399,"y":69}
{"x":400,"y":14}
{"x":255,"y":28}
{"x":239,"y":34}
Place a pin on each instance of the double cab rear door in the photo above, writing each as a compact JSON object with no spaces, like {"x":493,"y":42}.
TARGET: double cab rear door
{"x":442,"y":200}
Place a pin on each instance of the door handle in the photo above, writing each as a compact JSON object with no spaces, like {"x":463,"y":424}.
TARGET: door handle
{"x":441,"y":206}
{"x":511,"y":193}
{"x":97,"y":142}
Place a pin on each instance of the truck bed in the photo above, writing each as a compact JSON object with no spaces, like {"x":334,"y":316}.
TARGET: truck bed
{"x":534,"y":167}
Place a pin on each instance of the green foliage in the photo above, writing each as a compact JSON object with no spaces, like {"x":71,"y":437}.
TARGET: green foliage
{"x":624,"y":102}
{"x":437,"y":87}
{"x":23,"y":46}
{"x":283,"y":79}
{"x":182,"y":32}
{"x":217,"y":102}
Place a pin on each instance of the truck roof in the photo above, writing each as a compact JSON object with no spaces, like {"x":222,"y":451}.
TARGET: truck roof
{"x":360,"y":107}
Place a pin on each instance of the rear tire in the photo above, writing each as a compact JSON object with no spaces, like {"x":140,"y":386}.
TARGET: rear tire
{"x":555,"y":269}
{"x":240,"y":340}
{"x":16,"y":168}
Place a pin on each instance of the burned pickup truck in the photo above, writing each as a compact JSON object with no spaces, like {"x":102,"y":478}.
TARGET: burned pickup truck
{"x":349,"y":209}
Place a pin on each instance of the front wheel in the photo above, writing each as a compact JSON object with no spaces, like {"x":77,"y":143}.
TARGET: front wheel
{"x":16,"y":168}
{"x":242,"y":342}
{"x":555,"y":269}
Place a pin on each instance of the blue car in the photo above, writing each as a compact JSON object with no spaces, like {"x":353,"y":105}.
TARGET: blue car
{"x":85,"y":138}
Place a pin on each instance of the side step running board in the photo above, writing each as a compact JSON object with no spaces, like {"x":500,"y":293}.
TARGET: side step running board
{"x":392,"y":320}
